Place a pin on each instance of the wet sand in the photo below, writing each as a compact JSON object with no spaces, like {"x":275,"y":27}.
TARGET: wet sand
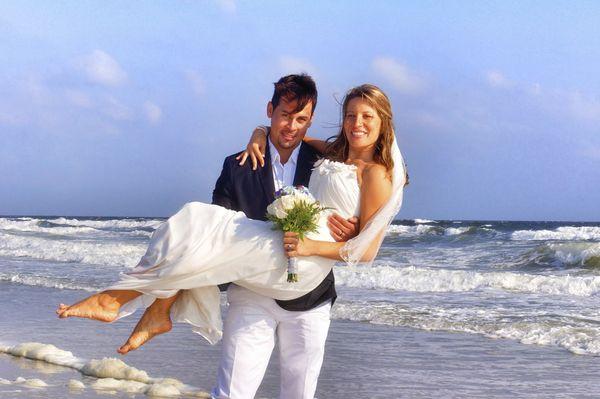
{"x":362,"y":360}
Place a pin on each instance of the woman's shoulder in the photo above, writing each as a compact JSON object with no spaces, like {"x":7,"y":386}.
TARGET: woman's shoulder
{"x":371,"y":169}
{"x":373,"y":173}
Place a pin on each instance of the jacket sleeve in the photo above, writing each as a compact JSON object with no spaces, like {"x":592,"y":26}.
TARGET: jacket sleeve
{"x":223,"y":194}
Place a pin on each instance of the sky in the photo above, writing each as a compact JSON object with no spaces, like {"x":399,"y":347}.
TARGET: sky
{"x":111,"y":108}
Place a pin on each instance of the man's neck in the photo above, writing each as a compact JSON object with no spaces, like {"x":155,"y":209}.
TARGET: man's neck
{"x":284,"y":153}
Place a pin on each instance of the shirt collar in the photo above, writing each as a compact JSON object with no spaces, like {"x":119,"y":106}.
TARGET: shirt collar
{"x":275,"y":154}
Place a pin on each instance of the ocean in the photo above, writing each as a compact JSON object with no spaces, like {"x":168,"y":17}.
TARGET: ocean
{"x":448,"y":309}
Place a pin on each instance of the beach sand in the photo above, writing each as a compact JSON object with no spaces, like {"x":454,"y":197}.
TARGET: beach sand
{"x":362,"y":360}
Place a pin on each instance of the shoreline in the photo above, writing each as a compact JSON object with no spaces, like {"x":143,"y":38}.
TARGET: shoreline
{"x":361,"y":359}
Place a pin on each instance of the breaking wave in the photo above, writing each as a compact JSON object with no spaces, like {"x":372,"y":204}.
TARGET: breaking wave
{"x":560,"y":233}
{"x":89,"y":252}
{"x":576,"y":334}
{"x":416,"y":279}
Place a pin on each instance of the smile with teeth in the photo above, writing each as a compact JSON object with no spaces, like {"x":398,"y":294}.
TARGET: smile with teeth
{"x":356,"y":133}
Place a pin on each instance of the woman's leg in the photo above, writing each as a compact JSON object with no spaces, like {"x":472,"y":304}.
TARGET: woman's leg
{"x":103,"y":306}
{"x":155,"y":321}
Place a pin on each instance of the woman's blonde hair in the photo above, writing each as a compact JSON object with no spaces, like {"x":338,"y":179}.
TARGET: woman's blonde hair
{"x":338,"y":147}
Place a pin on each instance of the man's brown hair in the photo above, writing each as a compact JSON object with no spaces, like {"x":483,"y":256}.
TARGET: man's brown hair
{"x":301,"y":88}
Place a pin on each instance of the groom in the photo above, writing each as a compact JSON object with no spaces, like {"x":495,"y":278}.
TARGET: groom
{"x":254,"y":322}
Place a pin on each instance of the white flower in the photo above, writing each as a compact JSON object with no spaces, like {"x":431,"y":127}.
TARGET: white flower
{"x":288,"y":202}
{"x":277,"y":208}
{"x":306,"y":198}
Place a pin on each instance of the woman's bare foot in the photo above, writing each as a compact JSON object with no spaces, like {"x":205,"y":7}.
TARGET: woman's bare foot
{"x":155,"y":321}
{"x":103,"y":306}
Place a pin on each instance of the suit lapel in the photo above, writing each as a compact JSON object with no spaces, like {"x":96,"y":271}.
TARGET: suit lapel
{"x":265,"y":175}
{"x":304,"y":166}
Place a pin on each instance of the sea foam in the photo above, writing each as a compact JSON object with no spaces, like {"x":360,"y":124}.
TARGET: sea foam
{"x":49,"y":282}
{"x":561,"y":233}
{"x":89,"y":252}
{"x":575,"y":334}
{"x":419,"y":279}
{"x":434,"y":230}
{"x":74,"y":227}
{"x":112,"y":374}
{"x":582,"y":253}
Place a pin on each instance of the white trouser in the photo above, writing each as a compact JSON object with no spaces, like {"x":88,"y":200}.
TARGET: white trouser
{"x":252,"y":324}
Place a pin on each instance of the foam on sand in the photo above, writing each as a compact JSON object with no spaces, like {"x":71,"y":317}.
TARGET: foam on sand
{"x":31,"y":382}
{"x":26,"y":382}
{"x":76,"y":385}
{"x":112,"y":374}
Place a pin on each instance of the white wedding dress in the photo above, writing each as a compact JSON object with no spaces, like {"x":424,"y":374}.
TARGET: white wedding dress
{"x":204,"y":245}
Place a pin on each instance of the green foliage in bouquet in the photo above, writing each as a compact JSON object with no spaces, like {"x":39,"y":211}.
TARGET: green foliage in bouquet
{"x":301,"y":219}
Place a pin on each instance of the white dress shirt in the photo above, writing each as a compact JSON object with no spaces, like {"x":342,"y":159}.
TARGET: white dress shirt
{"x":283,"y":174}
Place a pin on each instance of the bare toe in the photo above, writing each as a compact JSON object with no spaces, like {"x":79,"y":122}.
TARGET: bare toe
{"x":101,"y":307}
{"x":124,"y":349}
{"x":150,"y":325}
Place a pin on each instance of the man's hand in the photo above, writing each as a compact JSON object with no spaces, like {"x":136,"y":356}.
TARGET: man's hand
{"x":343,"y":229}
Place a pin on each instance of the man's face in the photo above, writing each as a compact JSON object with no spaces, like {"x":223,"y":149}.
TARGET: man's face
{"x":288,"y":128}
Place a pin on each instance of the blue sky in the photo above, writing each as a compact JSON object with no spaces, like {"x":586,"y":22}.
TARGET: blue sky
{"x":128,"y":109}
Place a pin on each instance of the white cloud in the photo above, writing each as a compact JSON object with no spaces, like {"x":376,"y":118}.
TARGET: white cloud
{"x":569,"y":103}
{"x":398,"y":75}
{"x":78,"y":98}
{"x":583,"y":107}
{"x":196,"y":81}
{"x":100,"y":67}
{"x":228,"y":6}
{"x":117,"y":110}
{"x":290,"y":64}
{"x":496,"y":79}
{"x":36,"y":89}
{"x":153,"y":112}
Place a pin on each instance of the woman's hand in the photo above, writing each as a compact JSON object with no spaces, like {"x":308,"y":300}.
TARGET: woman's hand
{"x":294,"y":246}
{"x":255,"y":149}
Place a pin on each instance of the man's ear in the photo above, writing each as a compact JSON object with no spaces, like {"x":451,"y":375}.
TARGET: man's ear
{"x":270,"y":109}
{"x":309,"y":123}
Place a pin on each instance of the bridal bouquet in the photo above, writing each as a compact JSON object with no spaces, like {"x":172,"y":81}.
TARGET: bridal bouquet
{"x":295,"y":210}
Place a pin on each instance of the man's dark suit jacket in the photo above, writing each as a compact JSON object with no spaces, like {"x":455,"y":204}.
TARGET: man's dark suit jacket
{"x":242,"y":189}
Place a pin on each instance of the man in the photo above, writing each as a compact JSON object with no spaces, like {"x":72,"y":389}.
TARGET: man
{"x":254,"y":322}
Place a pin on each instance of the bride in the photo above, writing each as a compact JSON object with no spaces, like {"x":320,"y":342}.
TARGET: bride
{"x":201,"y":246}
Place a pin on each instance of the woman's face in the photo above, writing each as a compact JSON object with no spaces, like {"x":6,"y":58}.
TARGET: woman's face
{"x":362,"y":124}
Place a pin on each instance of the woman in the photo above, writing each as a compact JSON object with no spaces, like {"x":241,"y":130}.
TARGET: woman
{"x":205,"y":245}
